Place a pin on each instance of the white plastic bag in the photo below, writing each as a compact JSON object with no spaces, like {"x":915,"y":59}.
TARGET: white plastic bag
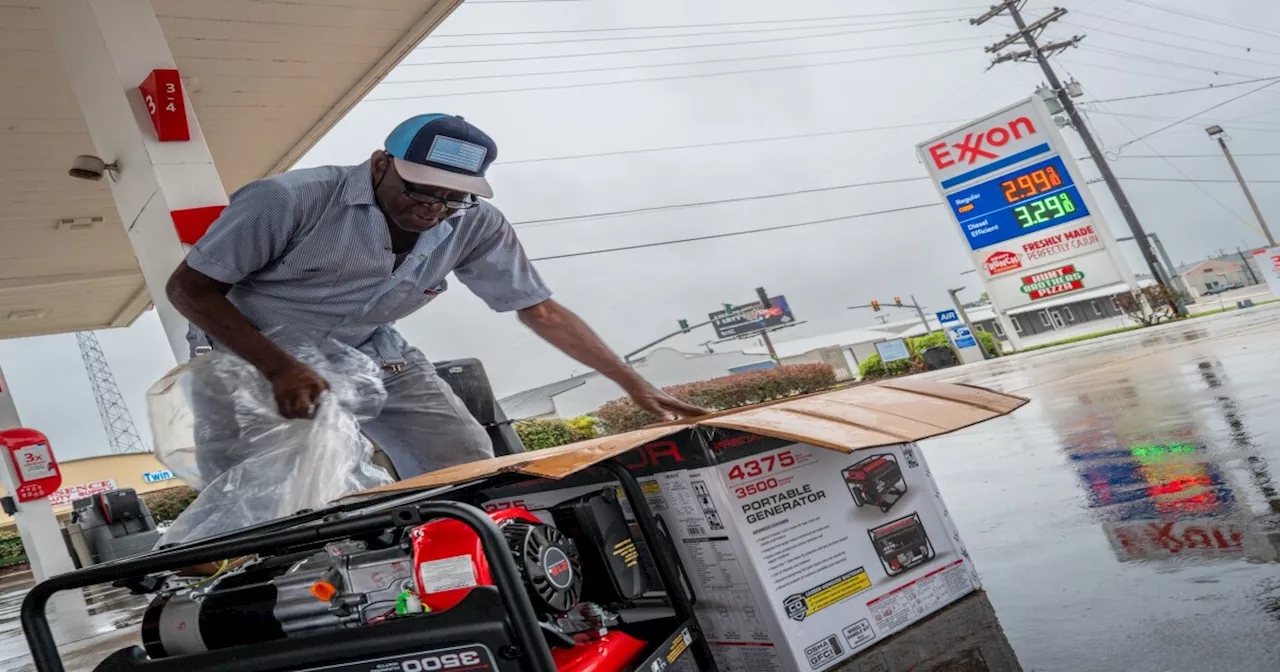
{"x":216,"y":426}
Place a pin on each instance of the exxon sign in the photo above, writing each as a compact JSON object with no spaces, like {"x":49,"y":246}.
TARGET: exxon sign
{"x":986,"y":147}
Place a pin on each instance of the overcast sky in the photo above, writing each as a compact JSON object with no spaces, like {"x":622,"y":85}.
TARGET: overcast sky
{"x":897,"y":67}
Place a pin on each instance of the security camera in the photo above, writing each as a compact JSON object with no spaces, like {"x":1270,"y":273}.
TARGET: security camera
{"x":89,"y":167}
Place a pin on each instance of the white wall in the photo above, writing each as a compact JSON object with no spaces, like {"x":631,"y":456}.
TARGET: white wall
{"x":662,"y":367}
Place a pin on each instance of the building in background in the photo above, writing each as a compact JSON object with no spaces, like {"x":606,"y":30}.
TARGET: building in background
{"x":842,"y":350}
{"x":92,"y":475}
{"x":585,"y":393}
{"x":1212,"y":274}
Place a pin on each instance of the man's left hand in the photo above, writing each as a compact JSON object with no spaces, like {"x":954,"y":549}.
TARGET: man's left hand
{"x":663,"y":406}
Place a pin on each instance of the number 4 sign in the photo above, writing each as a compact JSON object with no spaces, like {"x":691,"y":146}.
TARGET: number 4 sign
{"x":162,"y":94}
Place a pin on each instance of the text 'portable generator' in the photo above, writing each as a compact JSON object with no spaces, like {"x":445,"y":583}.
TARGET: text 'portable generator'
{"x":877,"y":481}
{"x":902,"y":544}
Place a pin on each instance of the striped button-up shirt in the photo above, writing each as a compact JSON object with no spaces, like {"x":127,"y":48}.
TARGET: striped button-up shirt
{"x":310,"y":249}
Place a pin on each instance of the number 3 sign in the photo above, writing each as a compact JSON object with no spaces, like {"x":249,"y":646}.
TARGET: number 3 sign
{"x":162,"y":94}
{"x":37,"y":471}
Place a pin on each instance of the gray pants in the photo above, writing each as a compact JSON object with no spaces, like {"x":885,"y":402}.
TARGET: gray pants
{"x":423,"y":427}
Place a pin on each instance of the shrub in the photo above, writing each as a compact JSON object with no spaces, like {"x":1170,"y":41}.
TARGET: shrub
{"x":1151,"y":305}
{"x":167,"y":504}
{"x":11,"y":550}
{"x":718,"y":394}
{"x":538,"y":434}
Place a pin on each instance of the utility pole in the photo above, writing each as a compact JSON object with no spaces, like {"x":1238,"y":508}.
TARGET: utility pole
{"x":1221,"y":136}
{"x":1174,"y":278}
{"x":768,"y":343}
{"x":1248,"y":268}
{"x":920,"y":312}
{"x":1041,"y":56}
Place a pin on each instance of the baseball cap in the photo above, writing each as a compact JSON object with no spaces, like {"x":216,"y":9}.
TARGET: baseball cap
{"x":443,"y":150}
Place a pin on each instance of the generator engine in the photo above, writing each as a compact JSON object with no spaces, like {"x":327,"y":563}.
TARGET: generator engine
{"x":577,"y":565}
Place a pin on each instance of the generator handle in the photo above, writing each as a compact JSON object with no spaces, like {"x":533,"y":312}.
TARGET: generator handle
{"x":663,"y":561}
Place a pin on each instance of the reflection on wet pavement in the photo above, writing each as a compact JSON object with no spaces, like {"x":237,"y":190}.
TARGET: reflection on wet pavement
{"x":1129,"y":517}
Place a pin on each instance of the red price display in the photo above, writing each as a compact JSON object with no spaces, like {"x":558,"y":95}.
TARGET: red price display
{"x":763,"y":465}
{"x":1032,"y":183}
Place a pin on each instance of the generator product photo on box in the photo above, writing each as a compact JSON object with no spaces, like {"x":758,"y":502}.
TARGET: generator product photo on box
{"x":791,"y":551}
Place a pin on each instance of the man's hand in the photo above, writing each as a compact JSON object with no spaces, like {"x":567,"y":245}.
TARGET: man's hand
{"x":297,"y":389}
{"x":663,"y":406}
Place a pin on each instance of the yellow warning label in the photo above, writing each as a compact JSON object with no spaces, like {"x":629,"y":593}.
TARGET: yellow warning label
{"x":626,"y":549}
{"x":650,"y":487}
{"x":812,"y":601}
{"x":678,"y":646}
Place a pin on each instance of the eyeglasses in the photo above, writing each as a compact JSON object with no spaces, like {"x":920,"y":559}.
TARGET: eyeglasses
{"x":429,"y":199}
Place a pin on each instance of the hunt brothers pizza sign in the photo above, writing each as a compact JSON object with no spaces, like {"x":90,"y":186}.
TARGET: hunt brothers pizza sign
{"x":1051,"y":283}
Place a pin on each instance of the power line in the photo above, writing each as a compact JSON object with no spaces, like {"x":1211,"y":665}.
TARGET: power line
{"x":626,"y":38}
{"x":1188,"y":36}
{"x":534,"y":223}
{"x":735,"y":59}
{"x":1169,"y":45}
{"x":731,"y":234}
{"x":1165,"y":61}
{"x":708,"y":25}
{"x":724,"y":143}
{"x":1114,"y":68}
{"x":1192,"y":156}
{"x":1181,"y":91}
{"x":1202,"y":17}
{"x":1187,"y":179}
{"x":663,"y":79}
{"x":672,"y":48}
{"x":1197,"y":114}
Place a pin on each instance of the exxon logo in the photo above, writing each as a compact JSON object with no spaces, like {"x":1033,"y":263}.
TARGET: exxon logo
{"x":981,"y":145}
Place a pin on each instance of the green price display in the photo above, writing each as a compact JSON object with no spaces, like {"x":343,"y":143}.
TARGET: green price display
{"x":1044,"y":210}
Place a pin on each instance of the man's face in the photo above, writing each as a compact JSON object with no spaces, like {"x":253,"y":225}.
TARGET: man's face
{"x":411,"y":207}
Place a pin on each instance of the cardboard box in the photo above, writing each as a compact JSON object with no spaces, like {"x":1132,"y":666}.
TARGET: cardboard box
{"x":810,"y":529}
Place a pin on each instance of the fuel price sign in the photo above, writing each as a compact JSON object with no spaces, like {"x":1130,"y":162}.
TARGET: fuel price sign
{"x":1017,"y":203}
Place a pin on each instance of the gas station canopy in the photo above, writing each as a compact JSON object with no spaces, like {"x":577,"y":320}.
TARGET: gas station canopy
{"x":266,"y":78}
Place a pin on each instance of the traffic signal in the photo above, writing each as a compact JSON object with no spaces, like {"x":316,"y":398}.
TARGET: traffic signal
{"x":875,"y":305}
{"x":897,"y":301}
{"x":684,"y":325}
{"x":764,"y":297}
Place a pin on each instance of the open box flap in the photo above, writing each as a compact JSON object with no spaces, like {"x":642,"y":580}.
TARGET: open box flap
{"x":864,"y":416}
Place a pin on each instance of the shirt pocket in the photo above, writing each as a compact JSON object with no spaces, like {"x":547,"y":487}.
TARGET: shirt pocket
{"x":406,"y":297}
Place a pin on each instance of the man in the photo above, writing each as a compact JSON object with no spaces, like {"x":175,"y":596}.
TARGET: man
{"x":344,"y":252}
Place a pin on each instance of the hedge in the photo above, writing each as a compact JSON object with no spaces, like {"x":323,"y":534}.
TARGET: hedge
{"x":718,"y":394}
{"x":166,"y":504}
{"x":538,"y":434}
{"x":871,"y":367}
{"x":11,"y":551}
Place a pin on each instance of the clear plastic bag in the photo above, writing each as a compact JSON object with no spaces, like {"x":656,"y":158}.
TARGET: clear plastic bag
{"x":216,"y":426}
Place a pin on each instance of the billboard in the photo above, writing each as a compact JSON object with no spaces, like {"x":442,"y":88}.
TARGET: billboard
{"x":1018,"y":201}
{"x":751,"y":317}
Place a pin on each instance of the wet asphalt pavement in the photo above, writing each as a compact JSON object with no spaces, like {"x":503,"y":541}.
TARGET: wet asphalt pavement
{"x":1125,"y":518}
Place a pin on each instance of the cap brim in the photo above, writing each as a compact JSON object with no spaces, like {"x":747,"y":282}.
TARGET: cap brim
{"x":417,"y":173}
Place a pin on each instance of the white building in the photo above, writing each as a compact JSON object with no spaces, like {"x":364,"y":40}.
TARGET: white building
{"x":588,"y":392}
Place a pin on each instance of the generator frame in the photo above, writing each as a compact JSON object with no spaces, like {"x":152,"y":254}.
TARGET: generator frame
{"x":515,"y":639}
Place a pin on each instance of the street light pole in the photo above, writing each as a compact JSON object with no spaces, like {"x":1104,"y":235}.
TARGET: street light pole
{"x":964,"y":318}
{"x":1216,"y":132}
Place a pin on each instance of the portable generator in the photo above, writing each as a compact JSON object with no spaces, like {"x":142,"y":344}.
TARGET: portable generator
{"x":902,"y":544}
{"x":402,"y":583}
{"x":877,"y":481}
